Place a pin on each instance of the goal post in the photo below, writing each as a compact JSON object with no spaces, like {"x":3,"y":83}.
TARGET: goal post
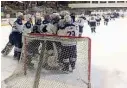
{"x":41,"y":63}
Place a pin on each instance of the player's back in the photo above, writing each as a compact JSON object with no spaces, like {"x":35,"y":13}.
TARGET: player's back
{"x":69,"y":30}
{"x":17,"y":26}
{"x":27,"y":28}
{"x":80,"y":21}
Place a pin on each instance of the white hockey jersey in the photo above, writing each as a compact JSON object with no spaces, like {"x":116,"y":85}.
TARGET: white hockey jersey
{"x":17,"y":26}
{"x":98,"y":17}
{"x":106,"y":17}
{"x":69,"y":30}
{"x":80,"y":21}
{"x":92,"y":19}
{"x":61,"y":23}
{"x":44,"y":26}
{"x":51,"y":28}
{"x":27,"y":28}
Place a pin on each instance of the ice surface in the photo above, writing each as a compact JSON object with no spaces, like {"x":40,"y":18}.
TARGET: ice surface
{"x":109,"y":54}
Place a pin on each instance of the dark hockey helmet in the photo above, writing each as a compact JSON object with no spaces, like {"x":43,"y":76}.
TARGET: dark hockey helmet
{"x":47,"y":17}
{"x":72,"y":14}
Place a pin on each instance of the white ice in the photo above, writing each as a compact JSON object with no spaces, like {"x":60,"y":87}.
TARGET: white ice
{"x":109,"y":54}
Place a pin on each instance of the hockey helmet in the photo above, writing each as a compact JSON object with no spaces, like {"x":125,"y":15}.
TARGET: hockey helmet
{"x":47,"y":17}
{"x":28,"y":17}
{"x":64,"y":13}
{"x":68,"y":19}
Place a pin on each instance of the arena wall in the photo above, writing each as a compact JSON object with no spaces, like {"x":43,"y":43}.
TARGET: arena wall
{"x":96,"y":5}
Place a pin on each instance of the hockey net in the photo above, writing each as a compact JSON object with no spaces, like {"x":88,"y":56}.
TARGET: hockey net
{"x":40,"y":49}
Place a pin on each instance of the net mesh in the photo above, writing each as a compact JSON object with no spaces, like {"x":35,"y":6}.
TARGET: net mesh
{"x":41,"y":63}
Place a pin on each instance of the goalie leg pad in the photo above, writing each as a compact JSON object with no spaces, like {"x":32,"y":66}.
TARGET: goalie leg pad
{"x":7,"y":49}
{"x":9,"y":46}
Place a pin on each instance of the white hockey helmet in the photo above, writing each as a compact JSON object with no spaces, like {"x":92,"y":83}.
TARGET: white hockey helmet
{"x":38,"y":15}
{"x":82,"y":15}
{"x":67,"y":19}
{"x":28,"y":17}
{"x":64,"y":13}
{"x":54,"y":15}
{"x":19,"y":14}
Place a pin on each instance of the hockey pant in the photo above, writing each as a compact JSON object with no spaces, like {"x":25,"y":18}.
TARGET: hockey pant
{"x":16,"y":39}
{"x":68,"y":56}
{"x":98,"y":22}
{"x":112,"y":18}
{"x":93,"y":26}
{"x":80,"y":31}
{"x":93,"y":29}
{"x":106,"y":22}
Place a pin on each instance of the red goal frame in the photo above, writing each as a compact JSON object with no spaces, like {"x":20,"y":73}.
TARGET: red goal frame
{"x":89,"y":50}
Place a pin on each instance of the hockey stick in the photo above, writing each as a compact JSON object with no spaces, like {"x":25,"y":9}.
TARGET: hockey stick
{"x":10,"y":23}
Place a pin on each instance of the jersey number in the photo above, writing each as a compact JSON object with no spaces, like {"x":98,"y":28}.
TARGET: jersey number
{"x":71,"y":33}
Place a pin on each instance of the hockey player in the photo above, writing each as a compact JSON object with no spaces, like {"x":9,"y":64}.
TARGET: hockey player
{"x":28,"y":26}
{"x":32,"y":48}
{"x":112,"y":16}
{"x":73,"y":17}
{"x":92,"y":23}
{"x":16,"y":28}
{"x":38,"y":24}
{"x":16,"y":36}
{"x":44,"y":24}
{"x":61,"y":22}
{"x":80,"y":22}
{"x":98,"y":19}
{"x":69,"y":54}
{"x":51,"y":28}
{"x":64,"y":13}
{"x":106,"y":19}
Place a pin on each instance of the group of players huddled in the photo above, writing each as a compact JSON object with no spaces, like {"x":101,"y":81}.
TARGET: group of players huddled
{"x":62,"y":24}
